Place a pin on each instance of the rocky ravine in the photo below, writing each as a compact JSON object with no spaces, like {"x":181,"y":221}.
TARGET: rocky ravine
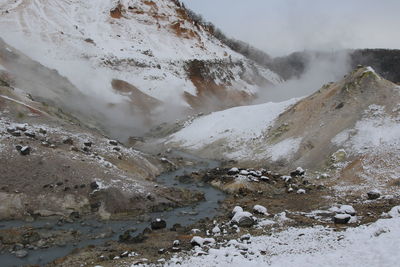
{"x":52,"y":165}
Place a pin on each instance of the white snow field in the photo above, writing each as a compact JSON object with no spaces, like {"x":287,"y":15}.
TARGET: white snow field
{"x":376,"y":245}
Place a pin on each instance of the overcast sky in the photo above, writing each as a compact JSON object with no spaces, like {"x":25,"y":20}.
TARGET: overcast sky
{"x":283,"y":26}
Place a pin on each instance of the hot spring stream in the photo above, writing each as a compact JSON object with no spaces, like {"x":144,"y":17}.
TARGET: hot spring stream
{"x":184,"y":216}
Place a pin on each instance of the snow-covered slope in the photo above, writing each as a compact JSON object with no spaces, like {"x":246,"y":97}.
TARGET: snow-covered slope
{"x":149,"y":44}
{"x":231,"y":131}
{"x":352,"y":125}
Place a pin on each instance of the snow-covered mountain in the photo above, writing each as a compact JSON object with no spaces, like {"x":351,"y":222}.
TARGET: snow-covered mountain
{"x":154,"y":46}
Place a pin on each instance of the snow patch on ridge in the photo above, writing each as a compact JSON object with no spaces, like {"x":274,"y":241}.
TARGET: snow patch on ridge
{"x":237,"y":128}
{"x":375,"y":130}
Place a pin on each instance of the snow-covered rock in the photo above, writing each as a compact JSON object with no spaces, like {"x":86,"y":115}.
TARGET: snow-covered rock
{"x":199,"y":241}
{"x":374,"y":244}
{"x":216,"y":230}
{"x":237,"y":209}
{"x":341,"y":218}
{"x":301,"y":191}
{"x":260,"y":209}
{"x":243,"y":219}
{"x":394,"y":212}
{"x":347,"y":209}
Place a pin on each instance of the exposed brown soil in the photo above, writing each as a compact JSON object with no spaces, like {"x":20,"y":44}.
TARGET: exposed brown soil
{"x":209,"y":94}
{"x":116,"y":12}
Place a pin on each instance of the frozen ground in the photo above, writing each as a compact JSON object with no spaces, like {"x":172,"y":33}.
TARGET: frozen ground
{"x":370,"y":245}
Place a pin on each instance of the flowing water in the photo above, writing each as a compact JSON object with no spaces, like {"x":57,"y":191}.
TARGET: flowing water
{"x":184,"y":216}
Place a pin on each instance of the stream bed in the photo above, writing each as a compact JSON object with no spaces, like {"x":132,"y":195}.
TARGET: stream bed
{"x":185,"y":216}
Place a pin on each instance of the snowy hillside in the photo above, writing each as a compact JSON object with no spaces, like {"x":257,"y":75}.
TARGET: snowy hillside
{"x":349,"y":129}
{"x":149,"y":44}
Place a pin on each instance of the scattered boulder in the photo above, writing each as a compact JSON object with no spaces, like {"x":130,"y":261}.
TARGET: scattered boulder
{"x":176,"y":249}
{"x":113,"y":142}
{"x":216,"y":230}
{"x":394,"y":212}
{"x":74,"y":215}
{"x":14,"y":132}
{"x":233,"y":171}
{"x":301,"y":191}
{"x":158,"y":224}
{"x":236,"y":209}
{"x":21,"y":253}
{"x":68,"y":141}
{"x":298,"y":172}
{"x":258,"y":209}
{"x":199,"y":241}
{"x":257,"y":174}
{"x":374,"y":194}
{"x":26,"y":150}
{"x":245,"y":237}
{"x":176,"y":243}
{"x":243,"y":219}
{"x":21,"y":127}
{"x":30,"y":134}
{"x":94,"y":185}
{"x":341,"y":218}
{"x":347,"y":209}
{"x":244,"y":172}
{"x":164,"y":160}
{"x":88,"y":144}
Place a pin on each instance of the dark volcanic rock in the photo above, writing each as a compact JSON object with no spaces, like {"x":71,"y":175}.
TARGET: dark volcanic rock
{"x":94,"y":185}
{"x":113,"y":142}
{"x":30,"y":134}
{"x":298,"y":172}
{"x":14,"y":132}
{"x":26,"y":150}
{"x":341,"y":218}
{"x":89,"y":144}
{"x":68,"y":141}
{"x":233,"y":171}
{"x":373,"y":195}
{"x":158,"y":224}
